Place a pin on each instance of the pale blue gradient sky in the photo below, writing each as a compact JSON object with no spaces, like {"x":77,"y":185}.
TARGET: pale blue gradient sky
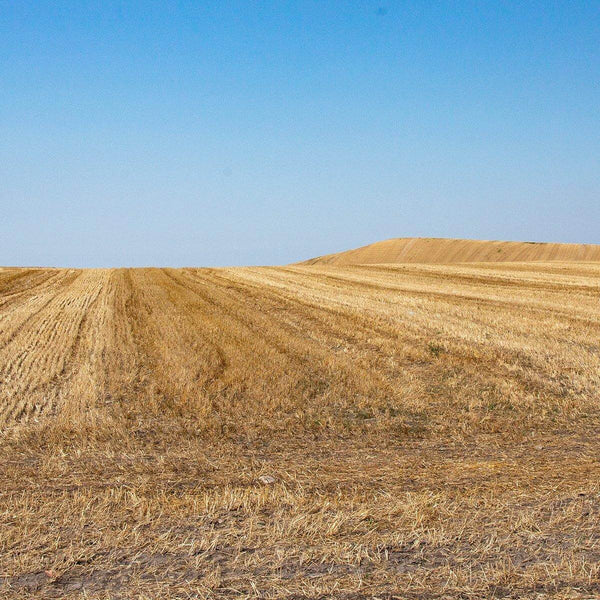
{"x":220,"y":133}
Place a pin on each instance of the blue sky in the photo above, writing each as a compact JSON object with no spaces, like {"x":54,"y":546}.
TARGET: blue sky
{"x":231,"y":133}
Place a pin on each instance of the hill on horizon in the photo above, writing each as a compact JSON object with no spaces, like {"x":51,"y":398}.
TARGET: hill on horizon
{"x":448,"y":250}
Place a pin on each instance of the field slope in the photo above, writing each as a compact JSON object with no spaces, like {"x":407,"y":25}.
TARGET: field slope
{"x":410,"y":431}
{"x":442,"y":250}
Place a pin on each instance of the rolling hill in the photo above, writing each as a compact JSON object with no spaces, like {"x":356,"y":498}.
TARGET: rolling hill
{"x":444,"y":250}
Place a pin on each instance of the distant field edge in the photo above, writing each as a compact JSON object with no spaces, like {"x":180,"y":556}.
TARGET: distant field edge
{"x":448,"y":250}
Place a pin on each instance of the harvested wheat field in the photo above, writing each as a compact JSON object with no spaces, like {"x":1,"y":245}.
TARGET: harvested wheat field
{"x":447,"y":250}
{"x":390,"y":431}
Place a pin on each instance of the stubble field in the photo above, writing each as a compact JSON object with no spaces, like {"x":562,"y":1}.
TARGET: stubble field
{"x":409,"y":431}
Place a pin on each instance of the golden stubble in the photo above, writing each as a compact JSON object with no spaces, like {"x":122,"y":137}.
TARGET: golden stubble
{"x":355,"y":432}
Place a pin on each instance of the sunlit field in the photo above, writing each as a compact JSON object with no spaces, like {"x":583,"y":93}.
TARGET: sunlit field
{"x":410,"y":431}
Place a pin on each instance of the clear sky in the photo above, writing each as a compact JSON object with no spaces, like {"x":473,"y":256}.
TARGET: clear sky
{"x":221,"y":133}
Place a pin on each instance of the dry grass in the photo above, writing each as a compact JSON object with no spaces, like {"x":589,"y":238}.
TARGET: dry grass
{"x":447,"y":250}
{"x":432,"y":432}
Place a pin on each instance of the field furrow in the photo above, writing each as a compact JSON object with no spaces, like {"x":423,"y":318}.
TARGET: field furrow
{"x":43,"y":351}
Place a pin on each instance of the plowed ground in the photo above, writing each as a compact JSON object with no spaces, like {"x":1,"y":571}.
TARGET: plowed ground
{"x":432,"y":431}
